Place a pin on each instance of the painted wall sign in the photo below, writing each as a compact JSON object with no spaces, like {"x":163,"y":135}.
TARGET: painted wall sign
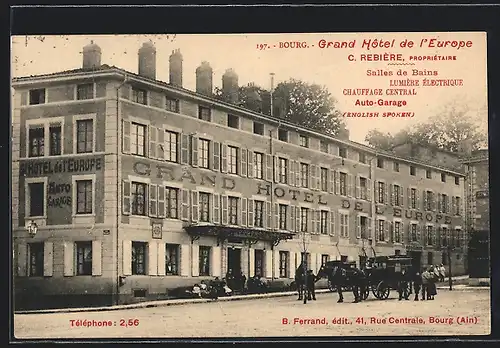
{"x":292,"y":193}
{"x":70,"y":165}
{"x":59,"y":195}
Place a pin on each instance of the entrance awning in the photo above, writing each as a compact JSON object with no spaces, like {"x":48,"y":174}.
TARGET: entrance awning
{"x":246,"y":233}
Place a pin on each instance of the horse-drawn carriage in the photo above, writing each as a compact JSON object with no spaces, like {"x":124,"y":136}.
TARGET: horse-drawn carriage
{"x":346,"y":265}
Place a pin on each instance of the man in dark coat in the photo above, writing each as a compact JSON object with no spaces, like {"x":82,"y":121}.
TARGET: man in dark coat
{"x":417,"y":285}
{"x":338,"y":278}
{"x":230,"y":278}
{"x":403,"y":285}
{"x":311,"y":285}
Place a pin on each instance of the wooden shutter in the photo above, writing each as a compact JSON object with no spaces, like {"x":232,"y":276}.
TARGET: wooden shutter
{"x":161,"y":259}
{"x":419,"y":237}
{"x":224,"y":210}
{"x":127,"y":257}
{"x":387,"y":234}
{"x":216,"y":208}
{"x":459,"y":206}
{"x":393,"y":232}
{"x":276,"y":216}
{"x":216,"y":147}
{"x":152,"y":258}
{"x":369,"y":228}
{"x":152,"y":141}
{"x":331,"y":227}
{"x":126,"y":198}
{"x":215,"y":262}
{"x":401,"y":196}
{"x":48,"y":259}
{"x":223,"y":167}
{"x":276,"y":169}
{"x":160,"y":144}
{"x":184,"y":157}
{"x":250,"y":207}
{"x":377,"y":230}
{"x":250,"y":160}
{"x":369,"y":189}
{"x":243,"y":162}
{"x":439,"y":203}
{"x":194,"y":151}
{"x":69,"y":259}
{"x":96,"y":257}
{"x":337,"y":181}
{"x":297,"y":219}
{"x":268,"y":263}
{"x":298,"y":169}
{"x":393,"y":198}
{"x":424,"y":196}
{"x":195,"y":258}
{"x":244,"y":213}
{"x":375,"y":191}
{"x":447,"y":198}
{"x":269,"y":167}
{"x":357,"y":193}
{"x":312,"y":177}
{"x":291,"y":264}
{"x":268,"y":215}
{"x":194,"y":206}
{"x":288,"y":218}
{"x":291,"y":172}
{"x":184,"y":257}
{"x":408,"y":191}
{"x":386,"y":194}
{"x":358,"y":226}
{"x":22,"y":260}
{"x":350,"y":185}
{"x":331,"y":181}
{"x":292,"y":225}
{"x":184,"y":204}
{"x":161,"y":201}
{"x":312,"y":221}
{"x":417,"y":198}
{"x":126,"y":136}
{"x":318,"y":221}
{"x":153,"y":190}
{"x":453,"y":205}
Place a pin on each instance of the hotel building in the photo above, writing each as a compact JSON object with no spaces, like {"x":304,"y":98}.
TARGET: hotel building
{"x":125,"y":187}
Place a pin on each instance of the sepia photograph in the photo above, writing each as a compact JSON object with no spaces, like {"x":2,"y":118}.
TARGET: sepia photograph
{"x":250,"y":185}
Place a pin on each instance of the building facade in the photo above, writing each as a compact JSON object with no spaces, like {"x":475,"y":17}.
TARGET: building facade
{"x":125,"y":187}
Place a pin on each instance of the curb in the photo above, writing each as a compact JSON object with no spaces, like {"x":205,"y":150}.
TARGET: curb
{"x":164,"y":303}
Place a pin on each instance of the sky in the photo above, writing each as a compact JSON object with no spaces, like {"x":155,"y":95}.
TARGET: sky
{"x":330,"y":67}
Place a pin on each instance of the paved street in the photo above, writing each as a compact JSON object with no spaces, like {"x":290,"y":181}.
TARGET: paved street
{"x":264,"y":317}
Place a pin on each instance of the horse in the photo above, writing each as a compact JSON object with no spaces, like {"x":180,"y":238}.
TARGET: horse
{"x":300,"y":276}
{"x":339,"y":277}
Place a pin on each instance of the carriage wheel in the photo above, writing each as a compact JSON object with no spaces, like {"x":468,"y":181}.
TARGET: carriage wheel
{"x":407,"y":290}
{"x":383,"y":291}
{"x":331,"y":287}
{"x":365,"y":293}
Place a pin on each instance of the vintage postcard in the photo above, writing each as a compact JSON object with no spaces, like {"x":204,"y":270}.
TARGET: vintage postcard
{"x":250,"y":185}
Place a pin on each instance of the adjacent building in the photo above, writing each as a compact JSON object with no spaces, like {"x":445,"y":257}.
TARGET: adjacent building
{"x":125,"y":187}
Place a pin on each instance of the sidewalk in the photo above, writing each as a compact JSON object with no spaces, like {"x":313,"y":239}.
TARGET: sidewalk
{"x":460,"y":283}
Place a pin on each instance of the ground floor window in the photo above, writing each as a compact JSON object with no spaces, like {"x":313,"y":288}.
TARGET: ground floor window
{"x":259,"y":263}
{"x":204,"y":262}
{"x":324,"y":259}
{"x":139,"y":257}
{"x":84,"y":258}
{"x":284,"y":256}
{"x":172,"y":259}
{"x":36,"y":259}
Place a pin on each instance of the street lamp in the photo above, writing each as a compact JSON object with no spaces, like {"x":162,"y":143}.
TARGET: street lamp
{"x":32,"y":228}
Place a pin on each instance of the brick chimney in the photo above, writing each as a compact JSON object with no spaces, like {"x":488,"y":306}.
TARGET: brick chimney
{"x":175,"y":68}
{"x":147,"y":60}
{"x":91,"y":56}
{"x":204,"y":76}
{"x":230,"y":86}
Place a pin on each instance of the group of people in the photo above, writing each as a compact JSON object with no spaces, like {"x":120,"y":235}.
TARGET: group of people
{"x":235,"y":281}
{"x":424,"y":283}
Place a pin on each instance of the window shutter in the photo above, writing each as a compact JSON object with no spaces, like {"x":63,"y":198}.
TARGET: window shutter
{"x":223,"y":167}
{"x":401,"y":196}
{"x":69,"y":259}
{"x":250,"y":212}
{"x":386,"y":234}
{"x":350,"y":185}
{"x":377,"y":230}
{"x":331,"y":230}
{"x":251,"y":262}
{"x":276,"y":216}
{"x":184,"y":204}
{"x":269,"y":167}
{"x":358,"y":187}
{"x":393,"y":198}
{"x":369,"y":189}
{"x":153,"y":190}
{"x":447,"y":204}
{"x":250,"y":160}
{"x":244,"y":162}
{"x":215,"y":262}
{"x":161,"y":260}
{"x":386,"y":194}
{"x":439,"y":204}
{"x":276,"y":169}
{"x":369,"y":228}
{"x":161,"y":201}
{"x":96,"y":257}
{"x":393,"y":232}
{"x":160,"y":144}
{"x":311,"y":221}
{"x":297,"y":174}
{"x":268,"y":215}
{"x":419,"y":236}
{"x":126,"y":198}
{"x":127,"y":257}
{"x":152,"y":141}
{"x":375,"y":190}
{"x":194,"y":206}
{"x":292,"y":264}
{"x":48,"y":259}
{"x":152,"y":261}
{"x":312,"y":176}
{"x":184,"y":158}
{"x":453,"y":205}
{"x":224,"y":210}
{"x":194,"y":151}
{"x":408,"y":192}
{"x":417,"y":198}
{"x":126,"y":136}
{"x":291,"y":225}
{"x":459,"y":206}
{"x":216,"y":146}
{"x":291,"y":173}
{"x":195,"y":270}
{"x":424,"y":198}
{"x":402,"y":233}
{"x":297,"y":219}
{"x":337,"y":182}
{"x":288,"y":218}
{"x":184,"y":257}
{"x":244,"y":211}
{"x":318,"y":221}
{"x":216,"y":208}
{"x":22,"y":259}
{"x":358,"y":227}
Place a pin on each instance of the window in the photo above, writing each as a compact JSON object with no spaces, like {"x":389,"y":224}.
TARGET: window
{"x":259,"y":214}
{"x":413,"y":198}
{"x":324,"y":259}
{"x":397,"y":195}
{"x":304,"y":213}
{"x":413,"y":233}
{"x":172,"y":259}
{"x":458,"y":233}
{"x":361,"y":157}
{"x":430,"y":258}
{"x":344,"y":225}
{"x":37,"y":142}
{"x":363,"y":223}
{"x":363,"y":188}
{"x":37,"y":201}
{"x":233,"y":210}
{"x":83,"y":258}
{"x":282,"y":217}
{"x":396,"y":166}
{"x":283,"y":169}
{"x":171,"y":202}
{"x":55,"y":140}
{"x":444,"y":236}
{"x":304,"y":175}
{"x":457,"y":205}
{"x":258,"y":128}
{"x":139,"y":96}
{"x":138,"y":196}
{"x":381,"y":192}
{"x":343,"y":184}
{"x":203,"y":153}
{"x":84,"y":193}
{"x":324,"y":179}
{"x":171,"y":142}
{"x":204,"y":199}
{"x":232,"y":160}
{"x":282,"y":135}
{"x":380,"y":163}
{"x":430,"y":235}
{"x":444,"y":203}
{"x":323,"y":227}
{"x":397,"y":232}
{"x":258,"y":165}
{"x":343,"y":152}
{"x":323,"y":145}
{"x":259,"y":263}
{"x":428,"y":174}
{"x":138,"y":140}
{"x":139,"y":258}
{"x":36,"y":259}
{"x":443,"y":177}
{"x":303,"y":141}
{"x":84,"y":135}
{"x":204,"y":113}
{"x":204,"y":261}
{"x":85,"y":91}
{"x":381,"y":230}
{"x":429,"y":200}
{"x":172,"y":104}
{"x":413,"y":170}
{"x":233,"y":121}
{"x":37,"y":96}
{"x":284,"y":264}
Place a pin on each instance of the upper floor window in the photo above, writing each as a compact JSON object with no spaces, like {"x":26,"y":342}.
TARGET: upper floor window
{"x":37,"y":142}
{"x":413,"y":170}
{"x":396,"y":166}
{"x":172,"y":104}
{"x":397,"y":195}
{"x":258,"y":165}
{"x":363,"y":188}
{"x":139,"y":96}
{"x":324,"y":179}
{"x":397,"y":232}
{"x":457,"y":180}
{"x":323,"y":145}
{"x":258,"y":128}
{"x":85,"y":91}
{"x":428,"y":174}
{"x":381,"y":192}
{"x":429,"y":200}
{"x":233,"y":121}
{"x":36,"y":199}
{"x":232,"y":160}
{"x":204,"y":113}
{"x":259,"y":214}
{"x":282,"y":134}
{"x":413,"y":198}
{"x":344,"y":225}
{"x":233,"y":210}
{"x":380,"y":163}
{"x":84,"y":136}
{"x":323,"y":219}
{"x":283,"y":168}
{"x":55,"y":140}
{"x":204,"y":207}
{"x":361,"y":157}
{"x":84,"y":193}
{"x":171,"y":143}
{"x":303,"y":141}
{"x":304,"y":174}
{"x":171,"y":202}
{"x":138,"y":139}
{"x":343,"y":184}
{"x":282,"y":216}
{"x":343,"y":152}
{"x":304,"y":213}
{"x":37,"y":96}
{"x":203,"y":153}
{"x":443,"y":177}
{"x":138,"y":196}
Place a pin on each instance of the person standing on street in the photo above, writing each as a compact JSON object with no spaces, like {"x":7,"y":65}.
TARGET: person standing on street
{"x":311,"y":286}
{"x":403,"y":285}
{"x":442,"y":272}
{"x":417,"y":285}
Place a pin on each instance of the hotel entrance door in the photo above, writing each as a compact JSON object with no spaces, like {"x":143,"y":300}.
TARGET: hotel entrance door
{"x":234,"y":260}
